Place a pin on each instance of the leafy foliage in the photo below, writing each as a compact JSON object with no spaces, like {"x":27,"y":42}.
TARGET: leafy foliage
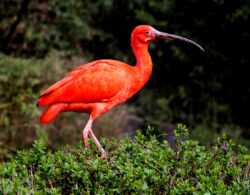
{"x":141,"y":165}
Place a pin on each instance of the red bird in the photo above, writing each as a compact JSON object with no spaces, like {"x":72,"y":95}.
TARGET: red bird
{"x":98,"y":86}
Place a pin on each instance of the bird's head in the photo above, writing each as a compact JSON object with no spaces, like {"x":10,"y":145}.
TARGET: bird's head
{"x":145,"y":34}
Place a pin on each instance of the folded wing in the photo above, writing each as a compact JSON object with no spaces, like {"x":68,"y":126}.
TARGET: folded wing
{"x":98,"y":81}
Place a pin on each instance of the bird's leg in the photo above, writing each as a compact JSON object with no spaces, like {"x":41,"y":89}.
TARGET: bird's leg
{"x":86,"y":130}
{"x":91,"y":134}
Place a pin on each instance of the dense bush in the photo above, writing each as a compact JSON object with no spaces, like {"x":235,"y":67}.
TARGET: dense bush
{"x":142,"y":166}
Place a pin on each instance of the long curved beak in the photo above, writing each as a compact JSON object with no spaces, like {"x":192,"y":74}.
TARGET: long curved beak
{"x":163,"y":35}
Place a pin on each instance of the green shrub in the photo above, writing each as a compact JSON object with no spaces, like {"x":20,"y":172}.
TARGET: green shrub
{"x":141,"y":166}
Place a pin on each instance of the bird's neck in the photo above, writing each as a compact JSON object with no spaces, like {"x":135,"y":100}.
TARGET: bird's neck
{"x":143,"y":61}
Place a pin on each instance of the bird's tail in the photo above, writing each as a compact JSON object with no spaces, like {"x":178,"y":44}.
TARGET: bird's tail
{"x":51,"y":112}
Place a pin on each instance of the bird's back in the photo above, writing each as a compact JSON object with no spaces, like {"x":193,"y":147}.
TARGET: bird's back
{"x":95,"y":82}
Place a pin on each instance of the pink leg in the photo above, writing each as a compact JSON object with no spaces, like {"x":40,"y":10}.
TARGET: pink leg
{"x":86,"y":130}
{"x":91,"y":134}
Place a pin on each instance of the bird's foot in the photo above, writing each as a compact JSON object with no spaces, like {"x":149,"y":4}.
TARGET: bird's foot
{"x":85,"y":137}
{"x":86,"y":142}
{"x":104,"y":154}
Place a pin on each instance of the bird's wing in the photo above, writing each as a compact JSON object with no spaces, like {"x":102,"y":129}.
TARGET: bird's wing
{"x":67,"y":78}
{"x":96,"y":82}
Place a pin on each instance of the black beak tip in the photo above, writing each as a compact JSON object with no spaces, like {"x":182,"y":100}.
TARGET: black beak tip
{"x":202,"y":49}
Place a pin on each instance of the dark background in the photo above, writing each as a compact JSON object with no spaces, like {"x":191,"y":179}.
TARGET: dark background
{"x":40,"y":41}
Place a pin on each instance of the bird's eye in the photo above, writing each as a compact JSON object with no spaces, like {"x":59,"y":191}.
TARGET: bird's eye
{"x":147,"y":32}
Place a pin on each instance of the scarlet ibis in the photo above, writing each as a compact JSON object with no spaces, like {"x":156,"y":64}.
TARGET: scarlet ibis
{"x":98,"y":86}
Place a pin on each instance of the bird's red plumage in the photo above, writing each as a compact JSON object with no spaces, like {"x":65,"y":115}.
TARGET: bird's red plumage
{"x":50,"y":113}
{"x":98,"y":86}
{"x":98,"y":83}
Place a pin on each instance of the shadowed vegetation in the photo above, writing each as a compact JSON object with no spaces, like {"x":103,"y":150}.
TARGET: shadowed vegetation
{"x":139,"y":166}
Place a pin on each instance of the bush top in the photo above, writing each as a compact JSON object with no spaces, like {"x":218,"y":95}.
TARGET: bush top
{"x":143,"y":165}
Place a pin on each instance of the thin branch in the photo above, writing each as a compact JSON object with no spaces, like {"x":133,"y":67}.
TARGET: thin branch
{"x":214,"y":156}
{"x":99,"y":181}
{"x":50,"y":184}
{"x":145,"y":146}
{"x":165,"y":134}
{"x":159,"y":171}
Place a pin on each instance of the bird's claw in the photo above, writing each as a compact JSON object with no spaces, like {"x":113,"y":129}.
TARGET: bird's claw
{"x":86,"y":142}
{"x":85,"y":137}
{"x":104,"y":156}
